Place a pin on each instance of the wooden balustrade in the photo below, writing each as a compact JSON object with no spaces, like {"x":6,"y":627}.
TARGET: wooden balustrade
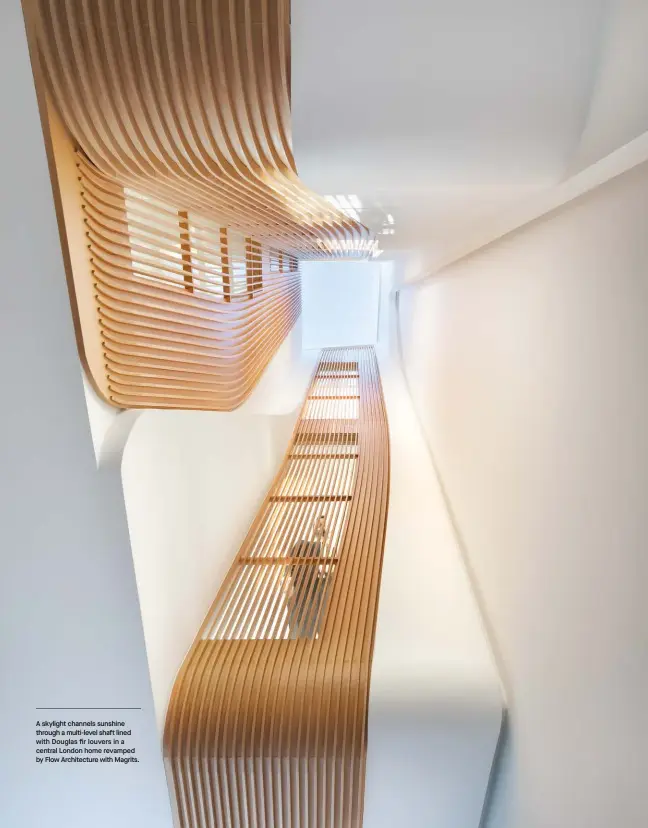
{"x":188,"y":101}
{"x":184,"y":219}
{"x":267,"y":721}
{"x":189,"y":313}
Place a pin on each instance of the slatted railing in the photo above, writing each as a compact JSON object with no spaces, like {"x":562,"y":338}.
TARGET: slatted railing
{"x":189,"y":312}
{"x":266,"y":727}
{"x":189,"y":101}
{"x":178,"y":117}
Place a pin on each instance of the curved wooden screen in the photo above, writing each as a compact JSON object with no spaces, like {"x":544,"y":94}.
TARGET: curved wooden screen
{"x":190,"y":313}
{"x":182,"y":216}
{"x":267,"y":721}
{"x":188,"y":101}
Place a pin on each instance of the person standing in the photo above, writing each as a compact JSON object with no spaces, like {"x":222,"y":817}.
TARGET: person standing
{"x":307,"y":583}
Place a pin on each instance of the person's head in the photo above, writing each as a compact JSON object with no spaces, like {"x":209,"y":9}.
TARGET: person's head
{"x":319,"y":528}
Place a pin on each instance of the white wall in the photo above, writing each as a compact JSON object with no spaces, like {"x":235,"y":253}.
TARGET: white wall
{"x":340,"y":303}
{"x":101,"y":416}
{"x":69,"y":612}
{"x":435,"y":699}
{"x":193,"y":482}
{"x":527,"y":366}
{"x":619,"y":102}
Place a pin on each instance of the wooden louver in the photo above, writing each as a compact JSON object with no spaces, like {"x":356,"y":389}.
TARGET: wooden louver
{"x":185,"y":272}
{"x":266,"y":725}
{"x":188,"y":101}
{"x":187,"y":318}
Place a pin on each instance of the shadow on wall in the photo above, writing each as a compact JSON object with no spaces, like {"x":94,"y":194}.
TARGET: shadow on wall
{"x":192,"y":483}
{"x":526,"y":364}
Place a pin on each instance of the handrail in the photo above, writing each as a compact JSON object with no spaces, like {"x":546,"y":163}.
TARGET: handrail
{"x":267,"y":721}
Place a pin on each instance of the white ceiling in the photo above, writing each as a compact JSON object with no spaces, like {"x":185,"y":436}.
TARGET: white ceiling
{"x":444,"y":111}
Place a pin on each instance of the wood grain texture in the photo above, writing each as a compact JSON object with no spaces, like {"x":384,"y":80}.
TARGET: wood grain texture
{"x":185,"y":263}
{"x":188,"y":101}
{"x":266,"y":725}
{"x":190,"y":313}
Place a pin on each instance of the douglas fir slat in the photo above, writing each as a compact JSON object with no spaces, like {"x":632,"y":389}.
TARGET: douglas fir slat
{"x":178,"y":198}
{"x":187,"y":100}
{"x":266,"y":726}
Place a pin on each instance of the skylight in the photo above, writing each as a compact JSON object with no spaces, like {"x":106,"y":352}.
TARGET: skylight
{"x":348,"y":204}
